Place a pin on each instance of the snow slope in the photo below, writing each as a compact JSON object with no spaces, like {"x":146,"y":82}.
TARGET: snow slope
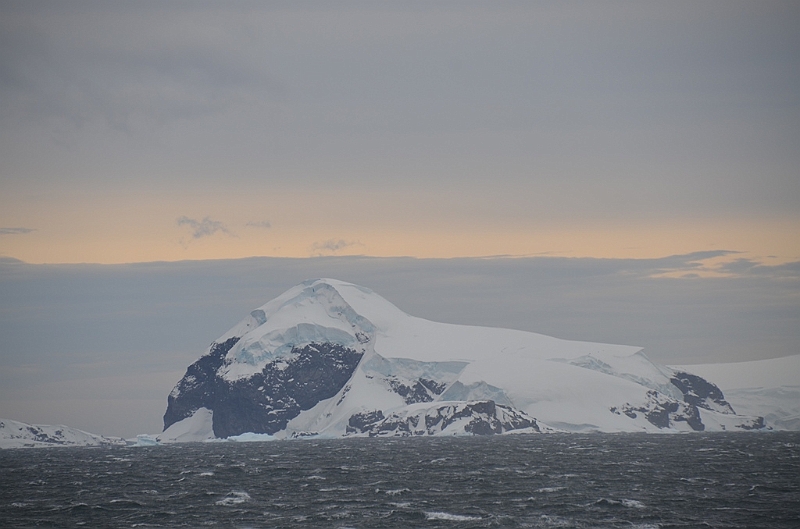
{"x":194,"y":429}
{"x":397,"y":361}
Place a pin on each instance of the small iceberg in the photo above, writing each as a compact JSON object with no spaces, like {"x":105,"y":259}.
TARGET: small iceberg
{"x":143,"y":439}
{"x":250,"y":437}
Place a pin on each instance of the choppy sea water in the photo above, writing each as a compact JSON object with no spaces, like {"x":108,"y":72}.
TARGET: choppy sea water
{"x":630,"y":480}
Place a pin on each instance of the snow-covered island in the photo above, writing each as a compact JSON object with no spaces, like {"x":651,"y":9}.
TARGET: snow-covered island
{"x":332,"y":359}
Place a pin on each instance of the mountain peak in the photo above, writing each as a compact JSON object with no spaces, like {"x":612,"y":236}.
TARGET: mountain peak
{"x":313,"y":312}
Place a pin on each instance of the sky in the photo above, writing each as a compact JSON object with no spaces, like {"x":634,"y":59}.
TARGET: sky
{"x":144,"y":131}
{"x":607,"y":171}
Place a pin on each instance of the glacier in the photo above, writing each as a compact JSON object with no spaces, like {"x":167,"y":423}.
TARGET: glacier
{"x":332,"y":359}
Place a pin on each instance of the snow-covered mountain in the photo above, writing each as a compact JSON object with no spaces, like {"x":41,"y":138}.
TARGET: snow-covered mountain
{"x":14,"y":434}
{"x":329,"y":358}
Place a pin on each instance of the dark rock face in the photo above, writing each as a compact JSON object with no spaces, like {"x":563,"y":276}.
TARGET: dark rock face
{"x":697,"y":391}
{"x":757,"y":424}
{"x":664,"y":412}
{"x":485,"y":418}
{"x":198,"y":387}
{"x":422,"y":390}
{"x":661,"y":411}
{"x":267,"y":401}
{"x":37,"y":434}
{"x":362,"y":422}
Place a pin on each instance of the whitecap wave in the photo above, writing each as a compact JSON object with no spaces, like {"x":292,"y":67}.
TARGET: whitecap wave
{"x":234,"y":498}
{"x":438,"y":515}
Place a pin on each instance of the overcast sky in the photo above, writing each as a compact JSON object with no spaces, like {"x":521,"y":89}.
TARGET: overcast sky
{"x":639,"y":161}
{"x":140,"y":131}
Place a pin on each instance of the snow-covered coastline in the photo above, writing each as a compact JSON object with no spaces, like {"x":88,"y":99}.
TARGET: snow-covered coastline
{"x":330,"y":359}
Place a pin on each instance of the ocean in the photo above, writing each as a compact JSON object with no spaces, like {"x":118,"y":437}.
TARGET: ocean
{"x":721,"y":480}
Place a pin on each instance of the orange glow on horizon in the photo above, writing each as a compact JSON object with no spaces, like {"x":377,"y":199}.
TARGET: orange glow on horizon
{"x":640,"y":242}
{"x":141,"y":228}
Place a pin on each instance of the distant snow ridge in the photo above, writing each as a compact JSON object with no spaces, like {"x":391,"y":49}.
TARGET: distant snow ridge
{"x":332,"y":359}
{"x":14,"y":434}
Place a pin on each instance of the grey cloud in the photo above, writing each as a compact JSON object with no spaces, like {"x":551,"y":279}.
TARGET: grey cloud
{"x":614,"y":113}
{"x":694,"y":263}
{"x":745,"y":267}
{"x":676,"y":263}
{"x":739,"y":266}
{"x":260,"y":224}
{"x":203,"y":228}
{"x":16,"y":231}
{"x":332,"y":245}
{"x":92,"y":62}
{"x":790,"y":268}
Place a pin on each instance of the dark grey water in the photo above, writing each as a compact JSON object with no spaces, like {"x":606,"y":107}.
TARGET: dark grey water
{"x":708,"y":480}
